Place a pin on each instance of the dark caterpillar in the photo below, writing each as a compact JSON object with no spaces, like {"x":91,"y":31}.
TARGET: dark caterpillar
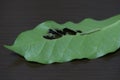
{"x":55,"y":34}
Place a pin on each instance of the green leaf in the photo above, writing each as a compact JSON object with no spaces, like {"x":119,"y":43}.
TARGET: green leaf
{"x":98,"y":38}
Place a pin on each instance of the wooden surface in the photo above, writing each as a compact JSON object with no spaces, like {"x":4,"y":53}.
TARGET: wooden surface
{"x":20,"y":15}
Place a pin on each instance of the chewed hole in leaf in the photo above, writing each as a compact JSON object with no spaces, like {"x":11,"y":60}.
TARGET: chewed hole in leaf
{"x":57,"y":33}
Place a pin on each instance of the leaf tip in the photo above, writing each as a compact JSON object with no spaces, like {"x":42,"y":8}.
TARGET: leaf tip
{"x":6,"y":46}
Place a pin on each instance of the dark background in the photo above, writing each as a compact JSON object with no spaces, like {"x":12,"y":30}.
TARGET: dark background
{"x":20,"y":15}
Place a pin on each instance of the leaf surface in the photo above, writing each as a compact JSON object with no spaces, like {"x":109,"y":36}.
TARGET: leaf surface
{"x":100,"y":38}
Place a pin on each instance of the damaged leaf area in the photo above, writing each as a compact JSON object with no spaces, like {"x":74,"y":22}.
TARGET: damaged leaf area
{"x":51,"y":42}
